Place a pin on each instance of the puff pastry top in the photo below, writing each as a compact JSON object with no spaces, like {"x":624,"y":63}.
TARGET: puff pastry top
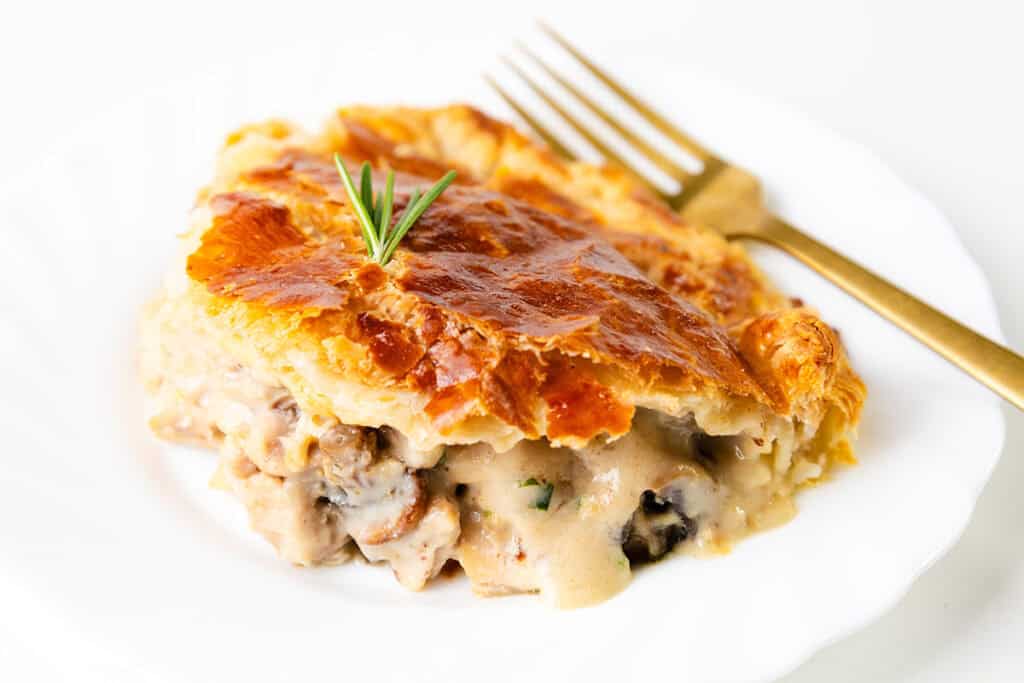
{"x":535,"y":298}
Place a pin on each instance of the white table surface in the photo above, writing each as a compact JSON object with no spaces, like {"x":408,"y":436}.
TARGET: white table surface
{"x":934,"y":88}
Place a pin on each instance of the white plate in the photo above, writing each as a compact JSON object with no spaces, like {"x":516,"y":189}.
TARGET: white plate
{"x":118,"y":557}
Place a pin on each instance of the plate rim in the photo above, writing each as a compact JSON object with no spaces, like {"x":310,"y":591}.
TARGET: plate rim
{"x":11,"y":186}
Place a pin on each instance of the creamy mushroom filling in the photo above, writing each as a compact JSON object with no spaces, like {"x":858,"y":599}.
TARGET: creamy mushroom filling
{"x":312,"y":486}
{"x":572,"y":523}
{"x":567,"y":523}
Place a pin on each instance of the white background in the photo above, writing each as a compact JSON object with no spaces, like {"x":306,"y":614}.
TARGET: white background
{"x":934,"y":88}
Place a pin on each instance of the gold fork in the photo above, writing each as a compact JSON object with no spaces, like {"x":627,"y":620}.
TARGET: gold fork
{"x":728,"y":198}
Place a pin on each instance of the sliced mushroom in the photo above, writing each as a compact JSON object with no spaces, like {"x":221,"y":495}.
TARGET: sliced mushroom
{"x":421,"y":553}
{"x":658,"y":525}
{"x":381,"y":499}
{"x":393,"y":509}
{"x":286,"y":513}
{"x":344,"y":454}
{"x":287,"y":410}
{"x":398,"y":446}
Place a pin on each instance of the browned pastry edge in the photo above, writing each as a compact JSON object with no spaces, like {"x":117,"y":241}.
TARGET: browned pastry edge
{"x":533,"y":291}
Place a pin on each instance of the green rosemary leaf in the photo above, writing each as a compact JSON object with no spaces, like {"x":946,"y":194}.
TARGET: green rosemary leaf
{"x":387,"y":203}
{"x":544,"y":498}
{"x":377,"y":206}
{"x":434,"y":192}
{"x":366,"y":187}
{"x":374,"y":213}
{"x":413,"y":199}
{"x":413,"y":214}
{"x":402,"y":226}
{"x":365,"y":222}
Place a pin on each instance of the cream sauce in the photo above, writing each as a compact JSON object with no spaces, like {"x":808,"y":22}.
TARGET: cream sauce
{"x":572,"y":552}
{"x":308,"y":502}
{"x":534,"y":518}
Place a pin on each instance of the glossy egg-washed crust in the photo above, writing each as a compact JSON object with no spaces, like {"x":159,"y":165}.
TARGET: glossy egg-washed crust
{"x":535,"y":298}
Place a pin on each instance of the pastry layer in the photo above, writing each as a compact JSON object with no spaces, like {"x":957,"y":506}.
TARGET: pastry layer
{"x":555,"y":378}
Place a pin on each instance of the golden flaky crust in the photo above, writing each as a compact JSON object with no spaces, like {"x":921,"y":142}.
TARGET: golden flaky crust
{"x":534,"y":298}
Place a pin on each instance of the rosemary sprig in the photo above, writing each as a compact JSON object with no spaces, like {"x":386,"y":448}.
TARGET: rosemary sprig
{"x":374,"y":214}
{"x":543,"y":499}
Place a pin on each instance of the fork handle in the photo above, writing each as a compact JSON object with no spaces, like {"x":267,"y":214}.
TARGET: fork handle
{"x":995,"y":366}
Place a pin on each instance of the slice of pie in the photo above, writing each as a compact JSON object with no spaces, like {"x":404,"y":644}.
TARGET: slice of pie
{"x":555,"y":379}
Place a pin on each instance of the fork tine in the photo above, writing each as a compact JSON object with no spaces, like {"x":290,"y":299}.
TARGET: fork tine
{"x":651,"y":116}
{"x":656,"y":157}
{"x":585,"y":132}
{"x":539,"y":128}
